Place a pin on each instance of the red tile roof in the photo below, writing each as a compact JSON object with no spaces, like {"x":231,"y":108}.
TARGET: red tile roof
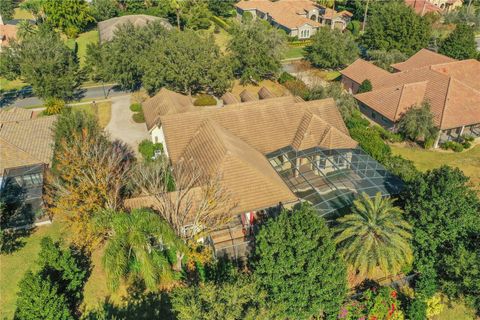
{"x":422,"y":59}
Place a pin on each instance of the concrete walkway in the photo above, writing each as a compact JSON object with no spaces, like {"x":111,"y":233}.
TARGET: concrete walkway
{"x":121,"y":125}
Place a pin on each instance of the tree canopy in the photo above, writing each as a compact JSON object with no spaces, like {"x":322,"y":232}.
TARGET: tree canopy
{"x":43,"y":60}
{"x":222,"y":8}
{"x":444,"y":212}
{"x":297,"y":265}
{"x":256,"y":50}
{"x":331,"y":49}
{"x":70,"y":16}
{"x":460,"y":44}
{"x":393,"y":25}
{"x":203,"y":68}
{"x":374,"y":235}
{"x":418,"y":123}
{"x":6,"y":10}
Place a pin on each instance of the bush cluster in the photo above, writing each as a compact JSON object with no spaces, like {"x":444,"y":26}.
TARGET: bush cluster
{"x":54,"y":106}
{"x":147,"y":149}
{"x":284,"y":77}
{"x":138,"y":117}
{"x":388,"y":135}
{"x":136,"y":107}
{"x":458,"y":146}
{"x":205,"y":100}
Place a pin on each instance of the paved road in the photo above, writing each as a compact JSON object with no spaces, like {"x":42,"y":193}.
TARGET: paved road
{"x":121,"y":125}
{"x":89,"y":93}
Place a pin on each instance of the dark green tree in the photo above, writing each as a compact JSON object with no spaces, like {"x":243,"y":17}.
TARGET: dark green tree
{"x":203,"y":68}
{"x":297,"y":265}
{"x":104,"y":9}
{"x":39,"y":299}
{"x":196,"y":15}
{"x":43,"y":60}
{"x":444,"y":211}
{"x":418,"y":123}
{"x":238,"y":299}
{"x":460,"y":44}
{"x":121,"y":59}
{"x":6,"y":10}
{"x":69,"y":16}
{"x":222,"y":8}
{"x":68,"y":269}
{"x":365,"y":86}
{"x":393,"y":25}
{"x":256,"y":50}
{"x":331,"y":49}
{"x":384,"y":59}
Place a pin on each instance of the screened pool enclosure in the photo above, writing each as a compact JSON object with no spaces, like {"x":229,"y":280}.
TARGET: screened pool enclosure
{"x":331,"y":179}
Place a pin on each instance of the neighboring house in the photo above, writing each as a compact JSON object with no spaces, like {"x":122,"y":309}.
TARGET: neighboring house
{"x":451,"y":87}
{"x":8,"y":32}
{"x":422,"y":7}
{"x":271,"y":153}
{"x":26,"y":145}
{"x":107,"y":28}
{"x":299,"y":18}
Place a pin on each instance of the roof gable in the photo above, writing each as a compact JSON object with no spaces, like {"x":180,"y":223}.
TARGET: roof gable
{"x":422,"y":59}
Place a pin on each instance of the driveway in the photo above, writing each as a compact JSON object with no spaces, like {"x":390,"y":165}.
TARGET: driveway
{"x":121,"y":125}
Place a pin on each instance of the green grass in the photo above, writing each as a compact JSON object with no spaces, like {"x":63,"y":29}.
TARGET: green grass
{"x":468,"y":161}
{"x":14,"y":266}
{"x":8,"y":85}
{"x":294,"y":52}
{"x":104,"y":111}
{"x":22,"y":14}
{"x":455,"y":310}
{"x":83,"y":40}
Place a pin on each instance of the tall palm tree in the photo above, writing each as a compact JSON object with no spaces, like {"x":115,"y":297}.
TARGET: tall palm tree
{"x":136,"y":244}
{"x":374,"y":235}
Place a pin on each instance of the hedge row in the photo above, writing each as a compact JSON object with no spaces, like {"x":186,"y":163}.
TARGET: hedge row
{"x":221,"y":23}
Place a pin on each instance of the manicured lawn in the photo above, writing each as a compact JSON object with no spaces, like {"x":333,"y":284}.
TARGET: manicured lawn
{"x":22,"y":14}
{"x":468,"y":161}
{"x":294,"y":52}
{"x":104,"y":111}
{"x":14,"y":266}
{"x":221,"y":38}
{"x":83,"y":40}
{"x":7,"y":85}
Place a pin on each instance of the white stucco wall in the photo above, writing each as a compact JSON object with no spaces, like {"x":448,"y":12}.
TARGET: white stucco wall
{"x":159,"y":137}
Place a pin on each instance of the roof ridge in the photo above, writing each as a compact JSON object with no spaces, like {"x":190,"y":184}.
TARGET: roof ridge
{"x":445,"y":103}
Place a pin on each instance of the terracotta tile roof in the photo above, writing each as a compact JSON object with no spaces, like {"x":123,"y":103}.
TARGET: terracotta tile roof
{"x":229,"y":98}
{"x":163,"y":103}
{"x":246,"y":96}
{"x":107,"y":28}
{"x":452,"y":88}
{"x":12,"y":157}
{"x":7,"y":32}
{"x":361,"y":70}
{"x":422,"y":7}
{"x":15,"y":114}
{"x":394,"y":101}
{"x":266,"y":125}
{"x":284,"y":12}
{"x":233,"y":140}
{"x":264,"y":93}
{"x":422,"y":59}
{"x":34,"y":136}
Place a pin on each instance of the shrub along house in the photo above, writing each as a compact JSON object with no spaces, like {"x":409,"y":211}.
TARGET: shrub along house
{"x":26,"y":145}
{"x":298,"y":18}
{"x":451,"y":87}
{"x":271,"y":153}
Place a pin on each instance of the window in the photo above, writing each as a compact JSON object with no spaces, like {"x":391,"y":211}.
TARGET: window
{"x":28,"y":180}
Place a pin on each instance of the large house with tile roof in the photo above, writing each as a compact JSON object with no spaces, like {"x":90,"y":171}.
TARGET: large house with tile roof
{"x":271,"y":153}
{"x":26,"y":150}
{"x":451,"y":87}
{"x":299,"y":18}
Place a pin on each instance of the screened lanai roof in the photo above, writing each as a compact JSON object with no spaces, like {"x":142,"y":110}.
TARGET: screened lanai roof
{"x":331,"y":179}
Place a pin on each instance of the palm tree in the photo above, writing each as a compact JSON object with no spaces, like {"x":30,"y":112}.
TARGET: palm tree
{"x":374,"y":235}
{"x":136,"y":246}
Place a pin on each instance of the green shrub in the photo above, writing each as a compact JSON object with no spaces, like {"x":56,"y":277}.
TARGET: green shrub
{"x":284,"y":77}
{"x":147,"y":149}
{"x":468,"y":138}
{"x":357,"y":121}
{"x":354,"y":27}
{"x":136,"y":107}
{"x":371,"y":142}
{"x":452,"y":145}
{"x":138,"y":117}
{"x":54,"y":106}
{"x":366,"y":86}
{"x":401,"y":167}
{"x":429,"y":142}
{"x":466,"y":144}
{"x":220,"y":22}
{"x":205,"y":100}
{"x":296,"y":87}
{"x":387,"y":135}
